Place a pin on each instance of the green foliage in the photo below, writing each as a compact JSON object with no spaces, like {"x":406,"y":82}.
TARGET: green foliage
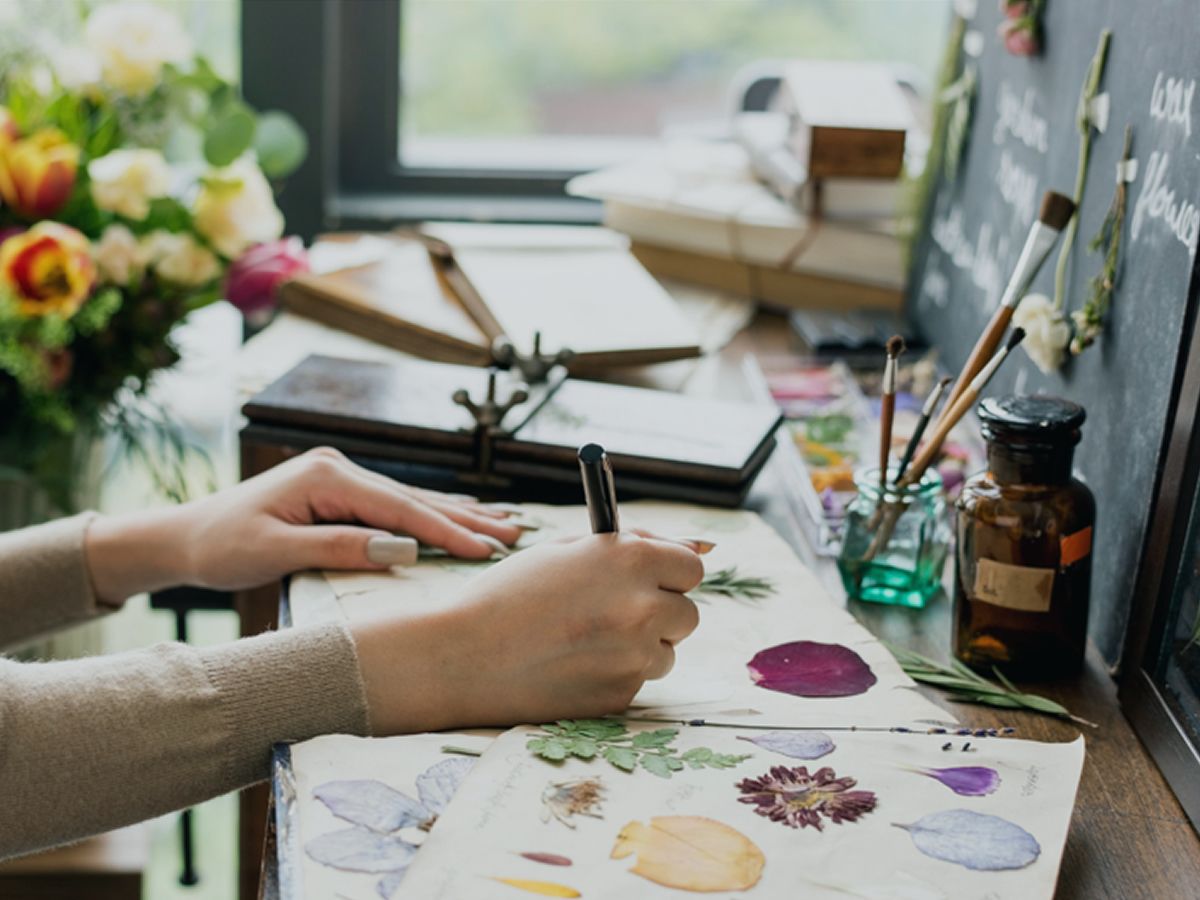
{"x":611,"y":741}
{"x":970,"y":687}
{"x":728,"y":583}
{"x":279,"y":143}
{"x":229,"y":133}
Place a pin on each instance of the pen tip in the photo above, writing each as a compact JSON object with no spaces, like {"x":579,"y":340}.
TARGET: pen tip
{"x":591,"y":453}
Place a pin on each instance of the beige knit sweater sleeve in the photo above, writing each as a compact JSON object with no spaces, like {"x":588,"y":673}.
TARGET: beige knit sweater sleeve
{"x":93,"y":744}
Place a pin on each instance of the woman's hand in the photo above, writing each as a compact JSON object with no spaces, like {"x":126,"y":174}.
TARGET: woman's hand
{"x":565,"y":629}
{"x":294,"y":516}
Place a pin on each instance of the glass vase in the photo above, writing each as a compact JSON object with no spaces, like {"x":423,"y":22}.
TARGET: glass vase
{"x":895,"y":544}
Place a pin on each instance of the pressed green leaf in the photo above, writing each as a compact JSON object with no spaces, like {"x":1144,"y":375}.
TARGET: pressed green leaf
{"x":658,"y":765}
{"x":229,"y":135}
{"x":649,"y":740}
{"x":584,"y":748}
{"x":621,"y":757}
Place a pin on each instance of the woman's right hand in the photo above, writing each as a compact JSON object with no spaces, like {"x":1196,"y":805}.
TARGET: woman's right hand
{"x":566,"y":629}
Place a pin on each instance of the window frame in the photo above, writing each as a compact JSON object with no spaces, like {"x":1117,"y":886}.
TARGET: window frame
{"x":322,"y":61}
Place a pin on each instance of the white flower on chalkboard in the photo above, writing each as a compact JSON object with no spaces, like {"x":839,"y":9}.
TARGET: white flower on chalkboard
{"x":1047,"y":332}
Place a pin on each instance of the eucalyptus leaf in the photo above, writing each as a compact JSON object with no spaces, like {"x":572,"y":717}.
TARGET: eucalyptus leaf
{"x":229,"y":135}
{"x":280,"y":144}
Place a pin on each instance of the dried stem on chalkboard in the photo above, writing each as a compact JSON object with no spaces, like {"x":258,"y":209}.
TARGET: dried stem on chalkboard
{"x":1089,"y":320}
{"x":1085,"y":123}
{"x":970,"y":687}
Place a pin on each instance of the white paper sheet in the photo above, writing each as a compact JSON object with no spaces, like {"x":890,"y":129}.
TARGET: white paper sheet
{"x":710,"y":680}
{"x":499,"y":814}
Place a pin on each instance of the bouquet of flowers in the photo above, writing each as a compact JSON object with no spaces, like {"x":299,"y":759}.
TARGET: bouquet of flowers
{"x":135,"y":187}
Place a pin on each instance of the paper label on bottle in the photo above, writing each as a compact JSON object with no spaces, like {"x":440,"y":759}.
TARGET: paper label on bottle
{"x":1014,"y":587}
{"x":1074,"y":547}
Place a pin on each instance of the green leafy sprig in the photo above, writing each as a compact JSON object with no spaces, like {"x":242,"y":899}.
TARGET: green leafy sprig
{"x":609,"y":739}
{"x":728,"y":583}
{"x":970,"y":687}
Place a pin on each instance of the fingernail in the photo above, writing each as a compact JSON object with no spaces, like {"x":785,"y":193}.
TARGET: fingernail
{"x":499,"y":548}
{"x":388,"y":550}
{"x":463,"y":498}
{"x":510,"y":508}
{"x":524,"y":525}
{"x":702,"y":546}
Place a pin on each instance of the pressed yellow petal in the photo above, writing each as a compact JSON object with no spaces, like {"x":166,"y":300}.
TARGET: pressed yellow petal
{"x":542,"y":888}
{"x":692,"y":853}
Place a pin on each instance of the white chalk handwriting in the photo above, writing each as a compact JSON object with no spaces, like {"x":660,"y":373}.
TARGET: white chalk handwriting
{"x":1017,"y":185}
{"x":1015,"y":115}
{"x":982,"y":258}
{"x":1171,"y":101}
{"x":1158,"y":201}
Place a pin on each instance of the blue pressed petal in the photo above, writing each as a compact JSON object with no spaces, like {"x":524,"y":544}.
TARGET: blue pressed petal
{"x":361,"y":850}
{"x":974,"y":840}
{"x":371,"y":804}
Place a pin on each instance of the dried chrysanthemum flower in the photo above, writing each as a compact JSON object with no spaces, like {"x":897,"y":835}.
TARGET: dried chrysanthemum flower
{"x":566,"y":799}
{"x":794,"y":798}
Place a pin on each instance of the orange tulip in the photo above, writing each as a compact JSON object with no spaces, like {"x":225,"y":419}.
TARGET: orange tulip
{"x":8,"y":127}
{"x":48,"y":269}
{"x":37,"y":172}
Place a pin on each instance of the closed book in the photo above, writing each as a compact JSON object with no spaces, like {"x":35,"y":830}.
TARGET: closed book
{"x":849,"y":119}
{"x":775,"y":287}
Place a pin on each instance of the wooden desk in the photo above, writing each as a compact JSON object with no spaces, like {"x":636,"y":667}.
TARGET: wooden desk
{"x":1129,"y":837}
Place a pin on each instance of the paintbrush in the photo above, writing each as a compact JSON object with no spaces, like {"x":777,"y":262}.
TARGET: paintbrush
{"x":1055,"y":213}
{"x":954,"y":412}
{"x":950,"y":417}
{"x":887,"y":407}
{"x":931,"y":404}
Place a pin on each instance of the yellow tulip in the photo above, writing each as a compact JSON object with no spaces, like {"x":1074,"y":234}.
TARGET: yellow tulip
{"x":8,"y":127}
{"x":37,"y":173}
{"x":48,"y":269}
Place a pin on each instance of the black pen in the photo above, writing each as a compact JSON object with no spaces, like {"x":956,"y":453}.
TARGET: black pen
{"x":598,"y":489}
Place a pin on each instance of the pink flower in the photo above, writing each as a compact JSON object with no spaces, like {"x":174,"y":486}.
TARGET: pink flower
{"x":1015,"y":9}
{"x":257,"y":274}
{"x":1020,"y":36}
{"x":794,"y":798}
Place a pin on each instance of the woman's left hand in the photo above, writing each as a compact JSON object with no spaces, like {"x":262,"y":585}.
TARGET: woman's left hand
{"x":317,"y":511}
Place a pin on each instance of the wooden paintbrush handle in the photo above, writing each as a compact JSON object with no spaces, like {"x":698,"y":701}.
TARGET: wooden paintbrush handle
{"x":984,"y":348}
{"x":887,"y":414}
{"x":946,"y":423}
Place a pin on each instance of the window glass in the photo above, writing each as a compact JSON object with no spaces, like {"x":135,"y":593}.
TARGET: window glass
{"x":572,"y":84}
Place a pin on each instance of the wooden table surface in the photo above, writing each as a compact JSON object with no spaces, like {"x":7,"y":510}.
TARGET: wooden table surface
{"x":1129,"y":837}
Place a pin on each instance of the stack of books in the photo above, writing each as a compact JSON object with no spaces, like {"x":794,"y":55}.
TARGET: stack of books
{"x":802,"y":209}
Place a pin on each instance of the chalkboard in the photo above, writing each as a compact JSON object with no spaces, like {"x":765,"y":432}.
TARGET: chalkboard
{"x":1023,"y":141}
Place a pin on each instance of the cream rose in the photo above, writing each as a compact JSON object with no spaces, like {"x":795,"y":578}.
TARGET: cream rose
{"x":180,"y":259}
{"x":125,"y":181}
{"x":120,"y":257}
{"x":133,"y":41}
{"x":236,"y":209}
{"x":1046,"y":331}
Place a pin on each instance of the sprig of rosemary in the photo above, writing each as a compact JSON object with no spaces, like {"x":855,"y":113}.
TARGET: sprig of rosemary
{"x":611,"y":740}
{"x":728,"y":583}
{"x":970,"y":687}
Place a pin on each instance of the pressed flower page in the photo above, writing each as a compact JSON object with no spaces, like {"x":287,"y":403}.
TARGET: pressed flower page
{"x":788,"y":655}
{"x":874,"y":815}
{"x":363,"y":806}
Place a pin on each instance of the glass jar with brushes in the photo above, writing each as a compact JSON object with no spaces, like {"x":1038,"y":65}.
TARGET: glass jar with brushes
{"x":895,"y":540}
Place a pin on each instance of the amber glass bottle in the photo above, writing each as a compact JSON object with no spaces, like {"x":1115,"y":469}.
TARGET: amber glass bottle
{"x":1023,"y":561}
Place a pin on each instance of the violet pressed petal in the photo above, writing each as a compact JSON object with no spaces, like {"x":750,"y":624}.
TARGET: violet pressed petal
{"x":547,"y":859}
{"x":437,"y":784}
{"x":387,"y":886}
{"x":811,"y":669}
{"x":361,"y":850}
{"x":974,"y":840}
{"x":371,"y":804}
{"x":967,"y":781}
{"x":796,"y":744}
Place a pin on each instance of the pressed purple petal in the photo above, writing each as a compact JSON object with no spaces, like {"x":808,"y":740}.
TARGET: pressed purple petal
{"x":968,"y":781}
{"x":549,"y":859}
{"x":361,"y":850}
{"x":811,"y":669}
{"x":390,"y":883}
{"x":437,"y":784}
{"x":796,"y":744}
{"x":371,"y":804}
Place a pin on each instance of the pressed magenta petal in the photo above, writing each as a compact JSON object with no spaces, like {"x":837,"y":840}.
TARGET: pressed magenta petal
{"x":811,"y":669}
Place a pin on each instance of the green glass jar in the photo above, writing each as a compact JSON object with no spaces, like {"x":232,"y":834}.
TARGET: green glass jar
{"x":894,"y":545}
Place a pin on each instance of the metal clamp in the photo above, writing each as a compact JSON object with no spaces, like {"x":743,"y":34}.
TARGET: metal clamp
{"x":489,"y":418}
{"x":534,"y":368}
